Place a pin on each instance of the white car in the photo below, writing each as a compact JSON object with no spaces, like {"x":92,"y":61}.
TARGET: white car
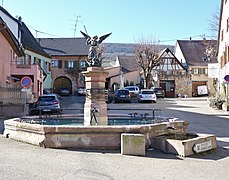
{"x":147,"y":95}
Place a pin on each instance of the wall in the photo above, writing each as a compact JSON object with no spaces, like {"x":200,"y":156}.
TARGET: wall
{"x":47,"y":84}
{"x":225,"y":42}
{"x":5,"y":52}
{"x":58,"y":72}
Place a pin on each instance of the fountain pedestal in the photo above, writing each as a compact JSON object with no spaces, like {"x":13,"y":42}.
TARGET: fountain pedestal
{"x":95,"y":107}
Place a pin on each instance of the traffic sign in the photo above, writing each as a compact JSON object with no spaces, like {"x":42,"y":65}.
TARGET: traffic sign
{"x":26,"y":82}
{"x":226,"y":78}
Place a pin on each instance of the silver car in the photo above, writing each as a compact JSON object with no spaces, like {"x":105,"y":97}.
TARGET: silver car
{"x":47,"y":103}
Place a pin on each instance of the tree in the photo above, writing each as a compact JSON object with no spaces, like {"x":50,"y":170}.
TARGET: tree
{"x":214,"y":23}
{"x":147,"y":57}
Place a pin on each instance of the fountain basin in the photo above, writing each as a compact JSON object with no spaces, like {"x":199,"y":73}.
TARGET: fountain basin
{"x":84,"y":137}
{"x":184,"y":144}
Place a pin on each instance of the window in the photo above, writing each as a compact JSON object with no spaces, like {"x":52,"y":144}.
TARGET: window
{"x":27,"y":59}
{"x":49,"y":67}
{"x":227,"y":54}
{"x":55,"y":63}
{"x":70,"y":64}
{"x":83,"y":64}
{"x":222,"y":35}
{"x":195,"y":71}
{"x":227,"y":24}
{"x":11,"y":56}
{"x":202,"y":71}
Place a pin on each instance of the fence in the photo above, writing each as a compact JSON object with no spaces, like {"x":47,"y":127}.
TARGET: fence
{"x":11,"y":96}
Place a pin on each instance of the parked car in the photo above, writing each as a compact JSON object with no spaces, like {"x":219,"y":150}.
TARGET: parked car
{"x":64,"y":92}
{"x":159,"y":92}
{"x":122,"y":95}
{"x":81,"y":91}
{"x":132,"y":89}
{"x":47,"y":103}
{"x":147,"y":95}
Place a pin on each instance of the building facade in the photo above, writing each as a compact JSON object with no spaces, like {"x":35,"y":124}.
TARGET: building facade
{"x":35,"y":63}
{"x":68,"y":61}
{"x":223,"y":44}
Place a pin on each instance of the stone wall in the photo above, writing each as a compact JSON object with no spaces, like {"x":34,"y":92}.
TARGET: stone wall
{"x":183,"y":86}
{"x":11,"y":110}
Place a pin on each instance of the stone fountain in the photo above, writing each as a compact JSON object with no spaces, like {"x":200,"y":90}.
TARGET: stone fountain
{"x":95,"y":133}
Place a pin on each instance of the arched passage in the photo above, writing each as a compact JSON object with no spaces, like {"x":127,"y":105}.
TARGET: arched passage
{"x":62,"y":82}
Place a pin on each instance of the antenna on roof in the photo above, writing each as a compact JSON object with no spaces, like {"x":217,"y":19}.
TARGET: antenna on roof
{"x":85,"y":29}
{"x":77,"y":20}
{"x":2,"y":3}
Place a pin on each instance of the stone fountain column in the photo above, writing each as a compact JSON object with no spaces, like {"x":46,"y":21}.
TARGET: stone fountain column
{"x":95,"y":78}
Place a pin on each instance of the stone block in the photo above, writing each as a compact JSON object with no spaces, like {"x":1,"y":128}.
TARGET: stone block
{"x":184,"y":146}
{"x":132,"y":144}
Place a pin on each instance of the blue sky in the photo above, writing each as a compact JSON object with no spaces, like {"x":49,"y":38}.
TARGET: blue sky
{"x":128,"y":20}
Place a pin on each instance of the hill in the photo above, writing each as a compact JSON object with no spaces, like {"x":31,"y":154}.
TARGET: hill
{"x":112,"y":50}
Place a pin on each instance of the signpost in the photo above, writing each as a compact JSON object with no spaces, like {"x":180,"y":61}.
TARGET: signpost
{"x":26,"y":83}
{"x":226,"y":78}
{"x":202,"y":147}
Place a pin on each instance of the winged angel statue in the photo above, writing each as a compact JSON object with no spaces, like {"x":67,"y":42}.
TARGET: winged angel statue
{"x":94,"y":42}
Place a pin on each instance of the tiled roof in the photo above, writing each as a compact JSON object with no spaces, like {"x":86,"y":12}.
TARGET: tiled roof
{"x":193,"y":51}
{"x":64,"y":46}
{"x":29,"y":42}
{"x":128,"y":63}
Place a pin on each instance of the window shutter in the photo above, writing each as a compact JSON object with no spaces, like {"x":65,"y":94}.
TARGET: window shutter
{"x":66,"y":64}
{"x":60,"y":64}
{"x":75,"y":64}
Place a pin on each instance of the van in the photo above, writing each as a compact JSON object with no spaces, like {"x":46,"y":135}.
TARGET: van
{"x":202,"y":90}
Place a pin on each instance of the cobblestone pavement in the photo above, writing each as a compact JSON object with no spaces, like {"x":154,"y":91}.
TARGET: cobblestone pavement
{"x":23,"y":161}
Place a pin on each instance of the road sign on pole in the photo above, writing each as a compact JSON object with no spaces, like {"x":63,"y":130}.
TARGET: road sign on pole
{"x":226,"y":78}
{"x":26,"y":82}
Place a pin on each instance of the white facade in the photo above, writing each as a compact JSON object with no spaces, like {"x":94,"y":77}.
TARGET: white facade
{"x":179,"y":54}
{"x":223,"y":41}
{"x":12,"y":24}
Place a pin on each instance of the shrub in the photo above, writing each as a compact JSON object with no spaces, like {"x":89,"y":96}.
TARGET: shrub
{"x":217,"y":101}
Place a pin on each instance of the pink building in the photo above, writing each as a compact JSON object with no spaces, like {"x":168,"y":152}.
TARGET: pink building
{"x":9,"y":50}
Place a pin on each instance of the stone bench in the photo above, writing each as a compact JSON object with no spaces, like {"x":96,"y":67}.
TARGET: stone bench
{"x":132,"y":144}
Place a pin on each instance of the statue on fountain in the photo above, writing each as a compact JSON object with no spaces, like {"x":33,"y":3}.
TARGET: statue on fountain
{"x":93,"y":58}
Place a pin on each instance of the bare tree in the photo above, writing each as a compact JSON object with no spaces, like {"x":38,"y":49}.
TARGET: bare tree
{"x":147,"y":57}
{"x":214,"y":23}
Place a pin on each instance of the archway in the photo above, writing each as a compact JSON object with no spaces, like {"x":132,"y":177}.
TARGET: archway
{"x":62,"y":82}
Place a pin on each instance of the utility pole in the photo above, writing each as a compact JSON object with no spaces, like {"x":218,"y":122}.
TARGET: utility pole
{"x":77,"y":20}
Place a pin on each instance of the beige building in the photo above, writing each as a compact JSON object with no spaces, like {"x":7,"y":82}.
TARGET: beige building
{"x":68,"y":61}
{"x":196,"y":55}
{"x":125,"y":72}
{"x":9,"y":51}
